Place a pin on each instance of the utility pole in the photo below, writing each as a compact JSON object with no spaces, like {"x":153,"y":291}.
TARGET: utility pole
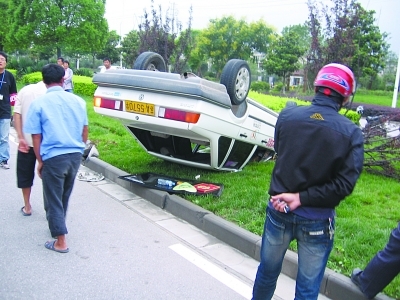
{"x":396,"y":84}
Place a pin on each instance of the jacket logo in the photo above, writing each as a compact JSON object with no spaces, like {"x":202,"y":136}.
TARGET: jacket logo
{"x":317,"y":116}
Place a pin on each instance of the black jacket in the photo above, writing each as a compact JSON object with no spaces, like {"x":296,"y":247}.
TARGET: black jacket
{"x":320,"y":153}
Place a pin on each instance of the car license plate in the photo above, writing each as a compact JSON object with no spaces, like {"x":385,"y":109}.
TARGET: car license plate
{"x":139,"y":107}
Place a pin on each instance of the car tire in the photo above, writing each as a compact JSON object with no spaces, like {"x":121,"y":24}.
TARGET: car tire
{"x":236,"y":77}
{"x":150,"y":61}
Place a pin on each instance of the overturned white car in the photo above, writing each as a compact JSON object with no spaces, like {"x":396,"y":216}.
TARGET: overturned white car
{"x":186,"y":119}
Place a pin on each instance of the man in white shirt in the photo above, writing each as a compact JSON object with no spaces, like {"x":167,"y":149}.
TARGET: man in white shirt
{"x":26,"y":158}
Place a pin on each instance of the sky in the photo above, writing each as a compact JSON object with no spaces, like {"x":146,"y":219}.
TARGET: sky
{"x":125,"y":15}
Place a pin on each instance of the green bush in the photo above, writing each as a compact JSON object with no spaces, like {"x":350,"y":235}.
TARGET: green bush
{"x":260,"y":86}
{"x":278,"y":87}
{"x":84,"y":72}
{"x":31,"y":78}
{"x":83,"y":85}
{"x":276,"y":104}
{"x":13,"y":71}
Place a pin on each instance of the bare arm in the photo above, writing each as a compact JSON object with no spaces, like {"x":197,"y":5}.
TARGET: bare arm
{"x":85,"y":133}
{"x":37,"y":140}
{"x":17,"y":121}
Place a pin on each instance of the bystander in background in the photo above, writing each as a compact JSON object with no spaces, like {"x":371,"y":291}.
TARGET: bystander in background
{"x":107,"y":64}
{"x":8,"y":92}
{"x":68,"y":84}
{"x":60,"y":61}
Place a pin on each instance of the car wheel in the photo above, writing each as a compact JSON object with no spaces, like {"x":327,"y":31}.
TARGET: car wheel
{"x":150,"y":61}
{"x":237,"y":79}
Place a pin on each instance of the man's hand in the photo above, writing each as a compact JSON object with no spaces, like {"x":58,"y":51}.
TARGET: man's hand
{"x":23,"y":146}
{"x":39,"y":168}
{"x":285,"y":199}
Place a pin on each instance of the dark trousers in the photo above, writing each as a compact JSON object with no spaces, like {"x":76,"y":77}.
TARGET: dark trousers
{"x":58,"y":177}
{"x":383,"y":267}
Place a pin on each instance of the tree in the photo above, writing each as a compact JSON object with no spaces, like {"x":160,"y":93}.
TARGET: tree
{"x":349,"y":37}
{"x":130,"y":47}
{"x":303,"y":33}
{"x":197,"y":60}
{"x":160,"y":35}
{"x":228,"y":38}
{"x":5,"y":24}
{"x":223,"y":40}
{"x":283,"y":57}
{"x":79,"y":24}
{"x":372,"y":49}
{"x":111,"y":49}
{"x":260,"y":36}
{"x":41,"y":52}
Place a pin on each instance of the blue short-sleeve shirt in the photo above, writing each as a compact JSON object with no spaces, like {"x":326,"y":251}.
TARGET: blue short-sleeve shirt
{"x":60,"y":118}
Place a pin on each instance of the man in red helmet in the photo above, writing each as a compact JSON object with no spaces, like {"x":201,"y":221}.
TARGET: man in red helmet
{"x":320,"y":158}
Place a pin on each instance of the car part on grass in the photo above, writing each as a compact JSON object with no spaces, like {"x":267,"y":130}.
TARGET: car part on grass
{"x":236,"y":77}
{"x":382,"y":145}
{"x":174,"y":185}
{"x":90,"y":150}
{"x":89,"y":176}
{"x":150,"y":61}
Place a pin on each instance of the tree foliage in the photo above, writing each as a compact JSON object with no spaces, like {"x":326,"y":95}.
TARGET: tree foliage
{"x":344,"y":32}
{"x":303,"y":32}
{"x":160,"y":35}
{"x":79,"y":24}
{"x":224,"y":39}
{"x":197,"y":60}
{"x":4,"y":4}
{"x":130,"y":47}
{"x":228,"y":38}
{"x":283,"y":57}
{"x":111,"y":48}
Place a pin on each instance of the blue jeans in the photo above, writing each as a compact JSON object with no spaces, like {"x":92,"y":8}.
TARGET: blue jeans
{"x":383,"y":267}
{"x":58,"y":177}
{"x":314,"y":244}
{"x":4,"y":145}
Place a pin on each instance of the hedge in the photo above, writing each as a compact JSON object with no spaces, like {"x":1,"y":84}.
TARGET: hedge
{"x":83,"y":85}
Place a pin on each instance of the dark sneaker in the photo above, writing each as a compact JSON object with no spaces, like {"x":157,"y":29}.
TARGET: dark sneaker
{"x":4,"y":165}
{"x":355,"y":277}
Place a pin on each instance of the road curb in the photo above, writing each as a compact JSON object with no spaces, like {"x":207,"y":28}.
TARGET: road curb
{"x":334,"y":285}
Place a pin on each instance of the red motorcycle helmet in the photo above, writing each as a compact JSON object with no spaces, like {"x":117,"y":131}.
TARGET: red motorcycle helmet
{"x":336,"y":77}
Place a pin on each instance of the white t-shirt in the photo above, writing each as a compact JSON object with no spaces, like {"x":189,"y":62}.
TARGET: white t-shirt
{"x":24,"y":99}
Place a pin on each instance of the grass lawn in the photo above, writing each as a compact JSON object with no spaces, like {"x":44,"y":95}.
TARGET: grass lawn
{"x":376,"y":98}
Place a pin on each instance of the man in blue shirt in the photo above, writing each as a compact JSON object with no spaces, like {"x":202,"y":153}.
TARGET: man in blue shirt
{"x":59,"y":127}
